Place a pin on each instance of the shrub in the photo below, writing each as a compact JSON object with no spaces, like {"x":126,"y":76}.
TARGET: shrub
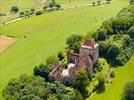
{"x":98,"y":2}
{"x":51,"y":5}
{"x":50,"y":60}
{"x":101,"y":83}
{"x":112,"y":52}
{"x":128,"y":93}
{"x":35,"y":88}
{"x":45,"y":7}
{"x":1,"y":14}
{"x":72,"y":40}
{"x":131,"y":2}
{"x":22,"y":13}
{"x":112,"y":74}
{"x":14,"y":9}
{"x":61,"y":55}
{"x":39,"y":13}
{"x":81,"y":81}
{"x":58,"y":6}
{"x":42,"y":71}
{"x":101,"y":34}
{"x":32,"y":10}
{"x":131,"y":32}
{"x":93,"y":3}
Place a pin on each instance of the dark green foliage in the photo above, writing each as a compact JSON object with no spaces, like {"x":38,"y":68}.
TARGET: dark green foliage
{"x":128,"y":93}
{"x":35,"y":88}
{"x":39,"y":13}
{"x":14,"y":9}
{"x":22,"y":13}
{"x":129,"y":11}
{"x":61,"y":56}
{"x":50,"y":60}
{"x":98,"y":66}
{"x":119,"y":27}
{"x":81,"y":81}
{"x":126,"y":50}
{"x":58,"y":6}
{"x":32,"y":10}
{"x":93,"y":3}
{"x":51,"y":5}
{"x":45,"y":7}
{"x":101,"y":34}
{"x":131,"y":31}
{"x":103,"y":48}
{"x":112,"y":52}
{"x":101,"y":83}
{"x":112,"y":74}
{"x":108,"y":1}
{"x":74,"y":41}
{"x":43,"y":71}
{"x":131,"y":2}
{"x":98,"y":2}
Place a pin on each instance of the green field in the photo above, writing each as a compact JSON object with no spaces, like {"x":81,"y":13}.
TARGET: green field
{"x":77,"y":3}
{"x":22,"y":4}
{"x":122,"y":76}
{"x":5,"y":6}
{"x":46,"y":35}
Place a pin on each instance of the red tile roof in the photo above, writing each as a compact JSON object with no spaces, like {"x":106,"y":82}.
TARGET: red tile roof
{"x":89,"y":43}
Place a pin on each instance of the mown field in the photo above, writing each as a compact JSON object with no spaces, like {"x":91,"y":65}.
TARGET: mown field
{"x":22,"y":4}
{"x":46,"y":34}
{"x":5,"y":6}
{"x":77,"y":3}
{"x":123,"y":75}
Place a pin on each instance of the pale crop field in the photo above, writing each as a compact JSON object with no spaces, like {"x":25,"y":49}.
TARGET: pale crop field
{"x":45,"y":35}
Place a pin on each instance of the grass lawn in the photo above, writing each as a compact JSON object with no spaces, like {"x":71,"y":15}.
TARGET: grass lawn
{"x":66,"y":3}
{"x":5,"y":6}
{"x":22,"y":4}
{"x":46,"y":35}
{"x":122,"y":76}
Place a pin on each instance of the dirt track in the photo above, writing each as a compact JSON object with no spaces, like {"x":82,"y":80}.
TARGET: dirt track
{"x":5,"y":42}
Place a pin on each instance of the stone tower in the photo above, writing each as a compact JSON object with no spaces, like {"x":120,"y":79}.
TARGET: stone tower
{"x":89,"y":48}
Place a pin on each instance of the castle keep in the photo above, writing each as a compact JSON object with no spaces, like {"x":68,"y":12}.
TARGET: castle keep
{"x":88,"y":55}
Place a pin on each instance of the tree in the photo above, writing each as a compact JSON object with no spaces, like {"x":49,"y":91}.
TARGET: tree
{"x":58,"y":6}
{"x":131,"y":32}
{"x":45,"y":7}
{"x":112,"y":52}
{"x":61,"y":55}
{"x":35,"y":88}
{"x":43,"y":71}
{"x":22,"y":13}
{"x":50,"y":60}
{"x":108,"y":1}
{"x":93,"y":3}
{"x":98,"y":2}
{"x":32,"y":10}
{"x":38,"y":13}
{"x":131,"y":1}
{"x":73,"y":40}
{"x":101,"y":34}
{"x":14,"y":9}
{"x":128,"y":93}
{"x":101,"y":83}
{"x":51,"y":4}
{"x":81,"y":80}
